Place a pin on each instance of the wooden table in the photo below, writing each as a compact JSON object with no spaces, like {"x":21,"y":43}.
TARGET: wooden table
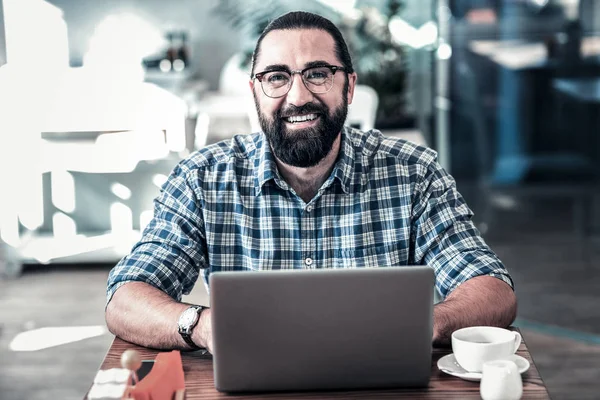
{"x":521,"y":54}
{"x":585,"y":90}
{"x":526,"y":116}
{"x":199,"y":380}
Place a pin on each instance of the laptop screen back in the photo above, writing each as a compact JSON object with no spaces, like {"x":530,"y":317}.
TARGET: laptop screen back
{"x":322,"y":329}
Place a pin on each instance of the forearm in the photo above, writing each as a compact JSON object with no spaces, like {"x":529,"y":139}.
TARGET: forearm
{"x":143,"y":314}
{"x":483,"y":300}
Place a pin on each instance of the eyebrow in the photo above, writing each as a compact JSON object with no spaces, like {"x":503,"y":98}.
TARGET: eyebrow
{"x":283,"y":67}
{"x":318,"y":63}
{"x":276,"y":67}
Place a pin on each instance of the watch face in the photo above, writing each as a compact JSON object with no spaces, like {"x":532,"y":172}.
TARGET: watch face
{"x":188,"y":317}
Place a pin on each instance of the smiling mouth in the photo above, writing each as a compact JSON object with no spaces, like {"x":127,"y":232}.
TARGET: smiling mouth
{"x":301,"y":118}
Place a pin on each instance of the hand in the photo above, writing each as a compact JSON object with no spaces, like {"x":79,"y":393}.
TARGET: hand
{"x":202,"y":335}
{"x":441,"y":330}
{"x":440,"y":339}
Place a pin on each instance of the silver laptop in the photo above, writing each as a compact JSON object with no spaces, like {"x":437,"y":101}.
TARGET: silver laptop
{"x":322,"y":329}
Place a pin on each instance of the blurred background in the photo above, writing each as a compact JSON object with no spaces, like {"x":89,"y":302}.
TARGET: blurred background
{"x":100,"y":99}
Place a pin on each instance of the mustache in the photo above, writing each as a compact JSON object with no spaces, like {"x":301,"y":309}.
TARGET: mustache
{"x":308,"y":108}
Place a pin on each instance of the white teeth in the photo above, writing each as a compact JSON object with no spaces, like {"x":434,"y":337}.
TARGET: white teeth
{"x":302,"y":118}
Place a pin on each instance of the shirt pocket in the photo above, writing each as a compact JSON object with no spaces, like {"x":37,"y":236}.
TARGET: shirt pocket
{"x":372,"y":257}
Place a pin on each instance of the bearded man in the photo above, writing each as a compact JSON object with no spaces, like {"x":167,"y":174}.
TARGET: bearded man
{"x":305,"y":192}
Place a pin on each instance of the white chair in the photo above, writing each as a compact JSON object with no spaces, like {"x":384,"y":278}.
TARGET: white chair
{"x":229,"y":110}
{"x":363,"y":110}
{"x":412,"y":135}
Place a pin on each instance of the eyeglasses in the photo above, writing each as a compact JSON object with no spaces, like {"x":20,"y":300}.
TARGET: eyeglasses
{"x":316,"y":79}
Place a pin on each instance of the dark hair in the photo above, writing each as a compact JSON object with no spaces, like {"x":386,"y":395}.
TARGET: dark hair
{"x":306,"y":20}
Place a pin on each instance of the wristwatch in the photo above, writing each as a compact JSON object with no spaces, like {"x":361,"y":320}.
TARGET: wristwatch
{"x":187,"y":321}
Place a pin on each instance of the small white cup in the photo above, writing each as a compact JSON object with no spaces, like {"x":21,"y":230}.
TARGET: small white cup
{"x":501,"y":380}
{"x":476,"y":345}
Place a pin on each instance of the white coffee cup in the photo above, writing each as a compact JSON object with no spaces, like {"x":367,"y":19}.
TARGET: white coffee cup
{"x":476,"y":345}
{"x":501,"y":380}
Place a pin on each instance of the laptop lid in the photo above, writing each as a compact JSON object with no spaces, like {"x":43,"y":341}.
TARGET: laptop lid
{"x":322,"y":329}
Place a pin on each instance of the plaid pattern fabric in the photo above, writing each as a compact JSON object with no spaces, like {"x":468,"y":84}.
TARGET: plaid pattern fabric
{"x":387,"y":202}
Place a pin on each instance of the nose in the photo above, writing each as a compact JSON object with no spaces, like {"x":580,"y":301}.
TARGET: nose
{"x":299,"y":94}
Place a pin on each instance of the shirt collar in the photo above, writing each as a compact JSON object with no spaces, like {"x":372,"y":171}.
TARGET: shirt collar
{"x":266,"y":167}
{"x":344,"y":167}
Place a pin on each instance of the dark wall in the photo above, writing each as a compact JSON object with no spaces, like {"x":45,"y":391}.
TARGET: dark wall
{"x":212,"y":40}
{"x":514,"y":21}
{"x":589,"y":12}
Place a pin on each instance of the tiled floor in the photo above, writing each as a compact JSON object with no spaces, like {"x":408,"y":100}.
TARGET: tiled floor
{"x":570,"y":368}
{"x":556,"y":283}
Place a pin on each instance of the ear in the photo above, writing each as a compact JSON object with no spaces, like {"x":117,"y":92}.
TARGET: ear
{"x":251,"y":84}
{"x":351,"y":85}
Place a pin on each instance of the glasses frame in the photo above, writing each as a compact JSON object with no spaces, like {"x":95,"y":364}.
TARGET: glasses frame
{"x":332,"y":68}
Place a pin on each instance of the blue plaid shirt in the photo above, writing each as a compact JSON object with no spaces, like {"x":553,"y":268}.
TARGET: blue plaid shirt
{"x":387,"y":202}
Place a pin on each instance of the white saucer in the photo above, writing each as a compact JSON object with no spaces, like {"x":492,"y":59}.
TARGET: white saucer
{"x":449,"y":365}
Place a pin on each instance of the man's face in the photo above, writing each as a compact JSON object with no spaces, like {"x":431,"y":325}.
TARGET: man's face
{"x":301,"y":143}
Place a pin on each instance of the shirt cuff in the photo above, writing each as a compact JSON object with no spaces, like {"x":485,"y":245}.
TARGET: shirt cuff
{"x":499,"y":275}
{"x":111,"y":291}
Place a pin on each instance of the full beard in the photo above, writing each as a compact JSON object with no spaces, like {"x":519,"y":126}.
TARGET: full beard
{"x":303,"y":147}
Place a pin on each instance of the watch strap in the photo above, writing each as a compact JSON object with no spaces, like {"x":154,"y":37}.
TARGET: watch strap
{"x":190,"y":342}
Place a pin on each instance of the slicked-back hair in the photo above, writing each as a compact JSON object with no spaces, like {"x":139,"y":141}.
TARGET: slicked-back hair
{"x":306,"y":20}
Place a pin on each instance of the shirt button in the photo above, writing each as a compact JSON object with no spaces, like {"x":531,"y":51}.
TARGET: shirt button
{"x":308,"y":261}
{"x":309,"y":209}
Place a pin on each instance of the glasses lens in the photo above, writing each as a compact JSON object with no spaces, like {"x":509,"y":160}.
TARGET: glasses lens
{"x":318,"y":79}
{"x":276,"y":83}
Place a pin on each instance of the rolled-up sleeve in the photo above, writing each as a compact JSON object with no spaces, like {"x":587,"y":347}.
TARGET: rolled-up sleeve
{"x":172,"y":249}
{"x":444,"y":236}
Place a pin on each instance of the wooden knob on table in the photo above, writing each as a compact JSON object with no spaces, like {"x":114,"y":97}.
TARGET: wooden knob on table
{"x":131,"y":360}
